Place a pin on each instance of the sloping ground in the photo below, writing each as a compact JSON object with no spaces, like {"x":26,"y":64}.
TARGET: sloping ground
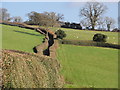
{"x":16,"y":38}
{"x":25,"y":70}
{"x":11,"y":30}
{"x":84,"y":66}
{"x":87,"y":35}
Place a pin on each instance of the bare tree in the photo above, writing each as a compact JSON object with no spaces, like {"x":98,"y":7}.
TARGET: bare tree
{"x":17,"y":19}
{"x":109,"y":22}
{"x":4,"y":15}
{"x":85,"y":23}
{"x":60,"y":17}
{"x":101,"y":23}
{"x":92,"y":12}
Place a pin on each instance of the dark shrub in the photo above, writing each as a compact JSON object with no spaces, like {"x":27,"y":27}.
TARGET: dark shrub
{"x":60,"y":34}
{"x":99,"y":37}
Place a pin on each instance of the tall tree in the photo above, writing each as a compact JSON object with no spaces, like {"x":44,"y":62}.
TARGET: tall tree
{"x":109,"y":22}
{"x":53,"y":17}
{"x":45,"y":19}
{"x":34,"y":17}
{"x":4,"y":15}
{"x":85,"y":23}
{"x":92,"y":12}
{"x":101,"y":23}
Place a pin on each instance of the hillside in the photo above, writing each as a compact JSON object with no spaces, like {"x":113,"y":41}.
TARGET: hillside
{"x":25,"y":70}
{"x":81,"y":66}
{"x":16,"y":38}
{"x":21,"y":67}
{"x":85,"y":66}
{"x":86,"y":35}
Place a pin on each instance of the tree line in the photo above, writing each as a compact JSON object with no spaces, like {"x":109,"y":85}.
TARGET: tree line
{"x":72,"y":25}
{"x":5,"y":16}
{"x":91,"y":18}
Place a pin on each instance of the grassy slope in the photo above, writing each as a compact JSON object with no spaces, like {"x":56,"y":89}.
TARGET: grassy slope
{"x":17,"y":38}
{"x":25,"y":70}
{"x":89,"y":66}
{"x":75,"y":65}
{"x":73,"y":34}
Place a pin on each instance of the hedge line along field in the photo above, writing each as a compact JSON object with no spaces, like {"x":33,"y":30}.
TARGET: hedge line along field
{"x":74,"y":34}
{"x":88,"y":66}
{"x":16,"y":38}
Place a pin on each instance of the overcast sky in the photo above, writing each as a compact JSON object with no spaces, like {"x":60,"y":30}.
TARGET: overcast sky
{"x":69,"y":9}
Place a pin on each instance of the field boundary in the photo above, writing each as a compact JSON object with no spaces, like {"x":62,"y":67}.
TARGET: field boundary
{"x":89,"y":43}
{"x":45,"y":47}
{"x":48,"y":47}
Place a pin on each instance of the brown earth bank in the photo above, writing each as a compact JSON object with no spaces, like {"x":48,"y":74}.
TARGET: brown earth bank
{"x":26,"y":70}
{"x":49,"y":45}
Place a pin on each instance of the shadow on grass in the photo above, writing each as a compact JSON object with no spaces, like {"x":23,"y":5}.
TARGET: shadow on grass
{"x":26,"y":33}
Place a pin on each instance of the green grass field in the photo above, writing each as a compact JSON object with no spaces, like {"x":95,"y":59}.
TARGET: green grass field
{"x":81,"y":66}
{"x":17,"y":38}
{"x":89,"y":66}
{"x":73,"y":34}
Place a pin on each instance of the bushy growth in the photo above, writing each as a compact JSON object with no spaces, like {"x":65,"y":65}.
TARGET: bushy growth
{"x":99,"y":37}
{"x":27,"y":70}
{"x":60,"y":34}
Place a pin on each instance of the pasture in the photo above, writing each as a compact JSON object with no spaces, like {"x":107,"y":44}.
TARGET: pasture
{"x":17,"y":38}
{"x":74,"y":34}
{"x":81,"y":66}
{"x":88,"y":66}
